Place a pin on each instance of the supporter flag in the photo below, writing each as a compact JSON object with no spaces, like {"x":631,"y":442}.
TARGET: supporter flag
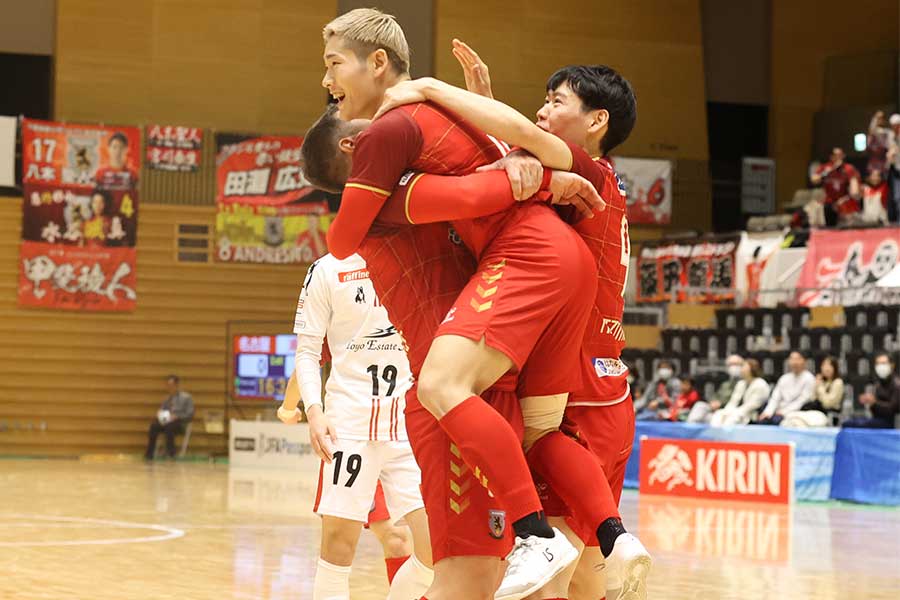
{"x":8,"y":151}
{"x":174,"y":148}
{"x":699,"y":271}
{"x":754,"y":257}
{"x":79,"y":216}
{"x":267,"y":211}
{"x":648,"y":184}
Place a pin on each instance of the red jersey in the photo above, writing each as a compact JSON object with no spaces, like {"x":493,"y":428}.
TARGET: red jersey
{"x":108,"y":178}
{"x":607,"y":237}
{"x":837,"y":182}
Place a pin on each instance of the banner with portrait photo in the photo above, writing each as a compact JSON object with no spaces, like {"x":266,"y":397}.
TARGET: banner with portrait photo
{"x":174,"y":148}
{"x":844,"y":267}
{"x":79,"y":192}
{"x":267,"y":211}
{"x":696,"y":271}
{"x":649,"y":189}
{"x":754,"y":258}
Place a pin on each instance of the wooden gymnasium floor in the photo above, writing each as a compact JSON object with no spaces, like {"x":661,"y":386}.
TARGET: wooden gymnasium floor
{"x":193,"y":531}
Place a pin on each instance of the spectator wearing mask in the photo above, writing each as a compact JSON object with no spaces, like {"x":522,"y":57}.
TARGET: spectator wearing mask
{"x":880,"y":140}
{"x":750,"y":394}
{"x":703,"y":410}
{"x":823,"y":409}
{"x":875,"y":199}
{"x":687,"y":398}
{"x":171,"y":418}
{"x":842,"y":188}
{"x":793,"y":390}
{"x":659,"y":394}
{"x":884,"y":400}
{"x":893,"y":157}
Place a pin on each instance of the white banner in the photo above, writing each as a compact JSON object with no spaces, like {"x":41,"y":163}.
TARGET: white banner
{"x":754,"y":256}
{"x":649,"y":186}
{"x":270,"y":444}
{"x":8,"y":151}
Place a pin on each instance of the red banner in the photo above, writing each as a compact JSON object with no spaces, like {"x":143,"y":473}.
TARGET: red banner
{"x":80,"y":192}
{"x":174,"y":148}
{"x":842,"y":267}
{"x":706,"y":268}
{"x":94,"y":279}
{"x":264,"y":170}
{"x":717,"y":470}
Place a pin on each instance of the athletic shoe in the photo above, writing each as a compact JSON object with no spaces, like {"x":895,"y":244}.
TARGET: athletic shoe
{"x":628,"y":565}
{"x":533,"y":562}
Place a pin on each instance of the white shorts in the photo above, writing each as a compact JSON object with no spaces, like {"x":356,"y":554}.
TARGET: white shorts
{"x":347,"y":485}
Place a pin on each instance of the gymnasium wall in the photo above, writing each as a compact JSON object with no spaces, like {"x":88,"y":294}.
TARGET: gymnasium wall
{"x":244,"y":65}
{"x":805,"y":34}
{"x":657,"y":45}
{"x":96,"y":380}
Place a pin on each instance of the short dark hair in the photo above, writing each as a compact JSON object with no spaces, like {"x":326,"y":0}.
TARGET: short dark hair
{"x":887,"y":355}
{"x":602,"y":87}
{"x":173,"y":378}
{"x":667,"y":363}
{"x":688,"y":379}
{"x":755,"y":368}
{"x":118,"y":136}
{"x":322,"y":164}
{"x":797,"y":352}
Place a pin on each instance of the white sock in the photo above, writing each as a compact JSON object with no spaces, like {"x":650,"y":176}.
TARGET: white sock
{"x":332,"y":582}
{"x":411,"y":581}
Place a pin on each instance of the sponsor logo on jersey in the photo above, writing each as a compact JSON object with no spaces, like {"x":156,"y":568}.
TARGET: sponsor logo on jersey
{"x":382,"y":333}
{"x":609,"y":367}
{"x":497,"y":523}
{"x":450,"y":316}
{"x":357,"y":275}
{"x":245,"y":444}
{"x":614,"y":328}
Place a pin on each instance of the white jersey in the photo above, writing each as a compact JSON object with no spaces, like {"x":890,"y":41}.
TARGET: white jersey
{"x":365,"y":394}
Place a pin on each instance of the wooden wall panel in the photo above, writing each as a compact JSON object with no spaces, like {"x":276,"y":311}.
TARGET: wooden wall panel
{"x":96,"y":380}
{"x":240,"y":65}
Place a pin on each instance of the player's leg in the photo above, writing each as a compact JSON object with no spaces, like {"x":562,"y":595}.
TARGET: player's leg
{"x":469,"y":577}
{"x":558,"y":588}
{"x":395,"y":541}
{"x":339,"y":539}
{"x":589,"y":579}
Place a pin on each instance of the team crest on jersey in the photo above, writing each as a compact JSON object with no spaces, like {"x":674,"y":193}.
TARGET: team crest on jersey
{"x":360,"y":295}
{"x":497,"y":523}
{"x":609,"y":367}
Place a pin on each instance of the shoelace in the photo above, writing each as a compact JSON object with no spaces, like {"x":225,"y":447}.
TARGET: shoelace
{"x":512,"y":559}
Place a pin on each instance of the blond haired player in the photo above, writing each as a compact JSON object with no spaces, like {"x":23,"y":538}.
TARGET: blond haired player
{"x":360,"y":434}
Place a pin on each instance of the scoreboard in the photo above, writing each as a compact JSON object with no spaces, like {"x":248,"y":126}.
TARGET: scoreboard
{"x":262,"y":366}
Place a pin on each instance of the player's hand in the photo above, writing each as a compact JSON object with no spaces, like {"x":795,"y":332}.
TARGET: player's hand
{"x":289,"y":417}
{"x":478,"y":78}
{"x":405,"y":92}
{"x":524,"y":171}
{"x":322,"y":435}
{"x":569,"y":188}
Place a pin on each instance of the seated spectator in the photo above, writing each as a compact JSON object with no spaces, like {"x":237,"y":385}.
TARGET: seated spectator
{"x":824,"y":408}
{"x":659,"y":393}
{"x":687,"y":398}
{"x":884,"y":401}
{"x":875,"y":200}
{"x":173,"y":416}
{"x":750,"y":394}
{"x":793,"y":390}
{"x":703,"y":410}
{"x":842,"y":189}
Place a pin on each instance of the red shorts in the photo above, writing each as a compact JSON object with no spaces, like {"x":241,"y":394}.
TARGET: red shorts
{"x":463,"y":519}
{"x":608,"y":432}
{"x":379,"y":511}
{"x":531,"y":297}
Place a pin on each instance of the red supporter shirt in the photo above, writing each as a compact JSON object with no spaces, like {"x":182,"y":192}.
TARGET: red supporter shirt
{"x":837,"y":183}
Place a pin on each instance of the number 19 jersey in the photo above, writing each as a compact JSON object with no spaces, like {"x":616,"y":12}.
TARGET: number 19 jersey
{"x":366,"y":389}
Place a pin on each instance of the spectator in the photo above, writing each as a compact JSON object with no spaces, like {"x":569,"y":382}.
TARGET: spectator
{"x":842,"y":189}
{"x":703,"y":410}
{"x":749,"y":395}
{"x":659,"y":393}
{"x":793,"y":390}
{"x":880,"y":140}
{"x":875,"y":200}
{"x":687,"y":398}
{"x":884,"y":401}
{"x":823,"y":409}
{"x":173,"y":415}
{"x":893,"y":158}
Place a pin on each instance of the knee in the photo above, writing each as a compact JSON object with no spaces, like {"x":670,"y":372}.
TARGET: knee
{"x":435,"y":391}
{"x":395,"y":543}
{"x":337,"y":547}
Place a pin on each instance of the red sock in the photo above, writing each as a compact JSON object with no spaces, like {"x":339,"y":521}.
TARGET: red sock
{"x":491,"y":448}
{"x":393,"y":565}
{"x":576,"y":475}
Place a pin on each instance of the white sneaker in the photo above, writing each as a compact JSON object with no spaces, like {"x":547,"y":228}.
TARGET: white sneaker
{"x":628,"y":566}
{"x":533,"y":562}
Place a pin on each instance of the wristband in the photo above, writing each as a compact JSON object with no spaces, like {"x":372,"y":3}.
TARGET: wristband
{"x":548,"y":175}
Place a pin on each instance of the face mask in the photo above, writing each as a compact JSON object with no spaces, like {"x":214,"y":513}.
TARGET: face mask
{"x":734,"y":371}
{"x":665,"y":373}
{"x":883,"y":371}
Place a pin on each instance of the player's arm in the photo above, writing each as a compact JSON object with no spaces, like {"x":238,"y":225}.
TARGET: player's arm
{"x":382,"y":154}
{"x":489,"y":115}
